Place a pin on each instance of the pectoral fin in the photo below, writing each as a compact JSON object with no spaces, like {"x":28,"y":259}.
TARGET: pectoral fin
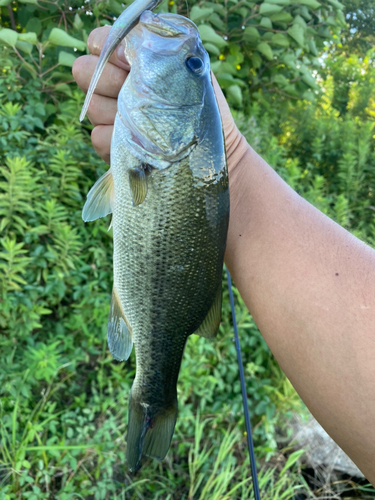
{"x":119,"y":336}
{"x":138,"y":184}
{"x":99,"y":198}
{"x":211,"y":323}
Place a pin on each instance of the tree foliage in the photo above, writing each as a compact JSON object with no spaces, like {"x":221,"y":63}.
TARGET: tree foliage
{"x":360,"y":18}
{"x":256,"y":47}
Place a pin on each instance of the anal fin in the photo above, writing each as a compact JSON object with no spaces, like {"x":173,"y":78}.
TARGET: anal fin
{"x":210,"y":325}
{"x":119,"y":335}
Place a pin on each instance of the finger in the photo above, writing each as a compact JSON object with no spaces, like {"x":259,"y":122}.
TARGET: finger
{"x":96,"y":42}
{"x":102,"y":110}
{"x":110,"y":82}
{"x":101,"y":140}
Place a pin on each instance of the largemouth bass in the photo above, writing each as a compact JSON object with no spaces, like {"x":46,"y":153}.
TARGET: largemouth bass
{"x":167,"y":190}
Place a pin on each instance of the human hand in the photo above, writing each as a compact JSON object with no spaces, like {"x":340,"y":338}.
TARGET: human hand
{"x":103,"y":105}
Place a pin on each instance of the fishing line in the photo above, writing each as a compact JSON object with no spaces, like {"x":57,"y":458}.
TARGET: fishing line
{"x":244,"y":395}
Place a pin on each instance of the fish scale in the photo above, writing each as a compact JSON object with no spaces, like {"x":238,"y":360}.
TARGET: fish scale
{"x":168,"y":192}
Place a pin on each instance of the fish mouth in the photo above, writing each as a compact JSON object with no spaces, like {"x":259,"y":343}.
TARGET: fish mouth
{"x":164,"y":27}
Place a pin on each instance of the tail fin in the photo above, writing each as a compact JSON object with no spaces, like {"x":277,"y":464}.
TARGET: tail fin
{"x":149,"y":432}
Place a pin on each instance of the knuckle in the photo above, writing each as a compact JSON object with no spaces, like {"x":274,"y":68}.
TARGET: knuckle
{"x":92,"y":38}
{"x":96,"y":39}
{"x":76,"y":68}
{"x":96,"y":137}
{"x":94,"y":107}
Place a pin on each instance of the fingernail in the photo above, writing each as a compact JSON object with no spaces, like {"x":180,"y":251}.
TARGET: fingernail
{"x":121,"y":54}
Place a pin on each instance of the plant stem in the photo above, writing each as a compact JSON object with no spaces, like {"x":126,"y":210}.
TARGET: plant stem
{"x":11,"y":17}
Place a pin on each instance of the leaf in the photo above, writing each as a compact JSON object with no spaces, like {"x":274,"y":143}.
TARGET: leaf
{"x":28,"y":37}
{"x":34,"y":25}
{"x":208,"y":34}
{"x":292,"y":459}
{"x":212,"y":49}
{"x":251,"y":35}
{"x":8,"y":36}
{"x":30,"y":69}
{"x":235,"y":94}
{"x":66,"y":59}
{"x":291,"y":89}
{"x":309,"y":80}
{"x":281,"y":17}
{"x":4,"y":3}
{"x":226,"y":79}
{"x":299,"y":20}
{"x":266,"y":23}
{"x":310,"y":3}
{"x":280,"y":80}
{"x":305,"y":13}
{"x":265,"y":49}
{"x":290,"y":61}
{"x":256,"y":60}
{"x":340,"y":16}
{"x":280,"y":40}
{"x":200,"y":13}
{"x":78,"y":23}
{"x":24,"y":46}
{"x":266,"y":37}
{"x":336,"y":4}
{"x":63,"y":87}
{"x":280,"y":2}
{"x":217,"y":22}
{"x":269,"y":8}
{"x":28,"y":1}
{"x":331,"y":21}
{"x":59,"y":37}
{"x":296,"y":32}
{"x":215,"y":66}
{"x":115,"y":7}
{"x":312,"y":47}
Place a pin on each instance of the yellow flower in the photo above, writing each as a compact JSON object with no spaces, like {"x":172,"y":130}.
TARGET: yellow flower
{"x":171,"y":2}
{"x":238,"y":66}
{"x":221,"y":57}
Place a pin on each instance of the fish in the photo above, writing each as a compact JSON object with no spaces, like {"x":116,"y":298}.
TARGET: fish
{"x":167,"y":190}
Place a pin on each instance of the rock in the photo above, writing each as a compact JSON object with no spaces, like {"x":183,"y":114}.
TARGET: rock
{"x":321,"y":449}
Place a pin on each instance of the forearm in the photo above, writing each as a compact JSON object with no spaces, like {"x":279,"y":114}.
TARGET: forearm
{"x":310,"y":287}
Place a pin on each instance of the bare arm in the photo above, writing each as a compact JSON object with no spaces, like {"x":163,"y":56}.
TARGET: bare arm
{"x":308,"y":283}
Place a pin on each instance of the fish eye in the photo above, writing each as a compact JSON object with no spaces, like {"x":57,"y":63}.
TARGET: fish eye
{"x":195,"y":64}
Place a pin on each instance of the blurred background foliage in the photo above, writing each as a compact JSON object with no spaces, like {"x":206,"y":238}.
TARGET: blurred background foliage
{"x":299,"y":76}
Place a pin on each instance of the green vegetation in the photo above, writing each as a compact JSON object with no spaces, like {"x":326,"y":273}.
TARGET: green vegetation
{"x":308,"y":108}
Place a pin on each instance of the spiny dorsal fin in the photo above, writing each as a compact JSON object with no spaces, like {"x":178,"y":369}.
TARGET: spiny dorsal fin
{"x":210,"y":325}
{"x":119,"y":335}
{"x":138,"y":183}
{"x":99,"y":198}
